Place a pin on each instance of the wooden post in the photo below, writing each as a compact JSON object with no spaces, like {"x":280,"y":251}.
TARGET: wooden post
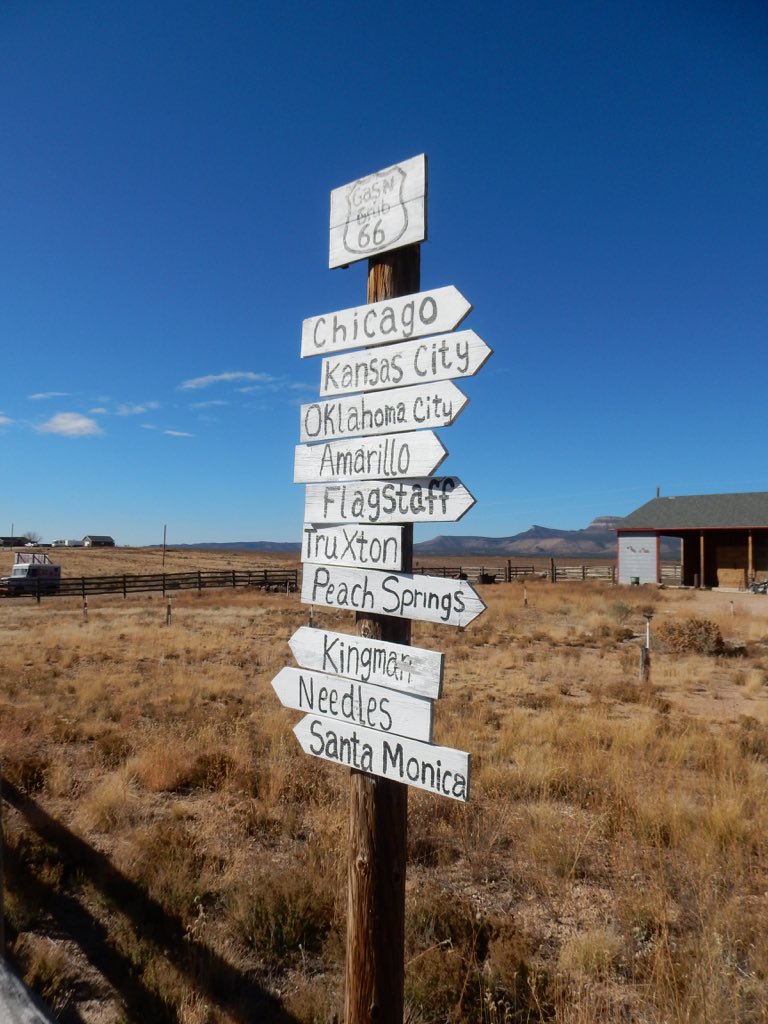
{"x":2,"y":878}
{"x":750,"y":557}
{"x":378,"y":806}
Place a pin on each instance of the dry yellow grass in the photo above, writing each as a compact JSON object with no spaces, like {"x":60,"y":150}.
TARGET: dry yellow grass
{"x":190,"y":865}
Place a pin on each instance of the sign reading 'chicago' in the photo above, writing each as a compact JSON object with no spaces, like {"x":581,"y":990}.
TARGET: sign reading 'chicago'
{"x":379,"y":323}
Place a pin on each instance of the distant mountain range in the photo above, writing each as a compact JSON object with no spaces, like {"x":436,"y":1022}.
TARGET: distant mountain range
{"x":598,"y":540}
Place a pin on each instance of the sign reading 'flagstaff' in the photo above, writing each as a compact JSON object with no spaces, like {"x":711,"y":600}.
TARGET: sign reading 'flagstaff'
{"x":437,"y":499}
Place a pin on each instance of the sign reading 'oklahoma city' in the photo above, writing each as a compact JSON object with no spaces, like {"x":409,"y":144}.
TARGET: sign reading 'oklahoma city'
{"x":444,"y":357}
{"x":440,"y":770}
{"x":378,"y":458}
{"x":437,"y":499}
{"x":405,"y":596}
{"x":382,"y":211}
{"x":396,"y":666}
{"x":373,"y":547}
{"x":379,"y":323}
{"x":346,"y":700}
{"x":383,"y":412}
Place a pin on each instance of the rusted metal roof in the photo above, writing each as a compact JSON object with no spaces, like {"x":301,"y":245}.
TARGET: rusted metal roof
{"x":700,"y":512}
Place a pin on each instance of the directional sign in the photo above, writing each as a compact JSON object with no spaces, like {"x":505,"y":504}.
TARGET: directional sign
{"x":384,"y":412}
{"x":379,"y":323}
{"x":440,"y":770}
{"x":396,"y":666}
{"x":406,"y":596}
{"x":437,"y":499}
{"x":383,"y":211}
{"x":373,"y":547}
{"x":445,"y":357}
{"x":353,"y":703}
{"x":418,"y":453}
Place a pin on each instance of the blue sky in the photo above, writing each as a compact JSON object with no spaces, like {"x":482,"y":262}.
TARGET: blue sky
{"x":597,"y":189}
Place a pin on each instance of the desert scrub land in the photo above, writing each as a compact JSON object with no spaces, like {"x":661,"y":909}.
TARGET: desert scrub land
{"x":172,"y":855}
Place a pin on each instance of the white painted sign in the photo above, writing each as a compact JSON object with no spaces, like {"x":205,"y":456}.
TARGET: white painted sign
{"x":379,"y":323}
{"x":396,"y":666}
{"x":406,"y":596}
{"x":382,"y":211}
{"x":354,"y":703}
{"x":444,"y":357}
{"x":414,"y":454}
{"x":440,"y":770}
{"x":373,"y":547}
{"x":437,"y":499}
{"x":383,"y":412}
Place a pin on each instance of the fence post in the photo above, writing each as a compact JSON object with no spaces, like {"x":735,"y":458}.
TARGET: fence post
{"x":583,"y":573}
{"x":552,"y":570}
{"x":125,"y":589}
{"x":2,"y":876}
{"x":233,"y":579}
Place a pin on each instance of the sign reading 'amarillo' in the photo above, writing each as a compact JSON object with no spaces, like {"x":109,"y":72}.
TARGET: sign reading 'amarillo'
{"x":418,"y":453}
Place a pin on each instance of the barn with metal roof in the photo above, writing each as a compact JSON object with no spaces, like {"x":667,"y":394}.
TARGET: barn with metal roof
{"x":723,"y":539}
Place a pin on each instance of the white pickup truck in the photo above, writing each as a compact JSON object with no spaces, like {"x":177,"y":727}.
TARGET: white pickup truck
{"x":31,"y":574}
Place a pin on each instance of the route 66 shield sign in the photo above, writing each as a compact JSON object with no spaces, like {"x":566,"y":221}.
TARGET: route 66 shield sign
{"x":384,"y":210}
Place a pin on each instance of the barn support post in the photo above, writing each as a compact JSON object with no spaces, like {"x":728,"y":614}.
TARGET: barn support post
{"x":750,"y":557}
{"x":375,"y":954}
{"x":2,"y":876}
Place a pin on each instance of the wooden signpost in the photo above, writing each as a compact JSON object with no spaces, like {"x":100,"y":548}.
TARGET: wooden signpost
{"x":367,"y":457}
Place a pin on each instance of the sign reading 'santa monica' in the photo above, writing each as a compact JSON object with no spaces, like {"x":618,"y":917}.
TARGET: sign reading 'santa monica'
{"x":384,"y":210}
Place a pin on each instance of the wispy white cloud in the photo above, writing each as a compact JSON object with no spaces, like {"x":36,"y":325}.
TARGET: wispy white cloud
{"x":100,"y":410}
{"x":177,"y":433}
{"x":47,"y":394}
{"x":5,"y":420}
{"x":148,"y":426}
{"x":208,"y":405}
{"x":223,"y":378}
{"x":70,"y":424}
{"x":135,"y":408}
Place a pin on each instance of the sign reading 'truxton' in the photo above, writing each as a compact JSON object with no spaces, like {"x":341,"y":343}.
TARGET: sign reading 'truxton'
{"x":382,"y":211}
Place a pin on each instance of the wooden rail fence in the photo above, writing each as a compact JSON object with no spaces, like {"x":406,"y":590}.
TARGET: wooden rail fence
{"x":84,"y":586}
